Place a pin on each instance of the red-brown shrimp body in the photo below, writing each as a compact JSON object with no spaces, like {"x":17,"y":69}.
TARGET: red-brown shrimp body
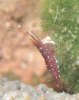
{"x":47,"y":52}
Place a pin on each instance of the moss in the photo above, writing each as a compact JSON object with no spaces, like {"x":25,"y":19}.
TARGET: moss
{"x":61,"y":21}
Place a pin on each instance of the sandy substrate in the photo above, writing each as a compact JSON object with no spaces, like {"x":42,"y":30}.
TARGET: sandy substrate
{"x":16,"y":90}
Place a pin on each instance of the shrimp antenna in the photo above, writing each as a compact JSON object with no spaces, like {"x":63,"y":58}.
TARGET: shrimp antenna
{"x":33,"y":36}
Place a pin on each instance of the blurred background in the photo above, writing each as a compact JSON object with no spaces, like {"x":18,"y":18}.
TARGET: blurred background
{"x":19,"y":58}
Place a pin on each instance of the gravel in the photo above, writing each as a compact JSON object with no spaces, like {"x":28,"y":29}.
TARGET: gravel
{"x":16,"y":90}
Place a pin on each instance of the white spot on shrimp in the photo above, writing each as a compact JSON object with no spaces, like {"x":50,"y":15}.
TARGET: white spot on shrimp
{"x":41,"y":48}
{"x":49,"y":70}
{"x":56,"y":77}
{"x":57,"y":85}
{"x":51,"y":65}
{"x":54,"y":57}
{"x":58,"y":67}
{"x":47,"y":40}
{"x":56,"y":61}
{"x":47,"y":56}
